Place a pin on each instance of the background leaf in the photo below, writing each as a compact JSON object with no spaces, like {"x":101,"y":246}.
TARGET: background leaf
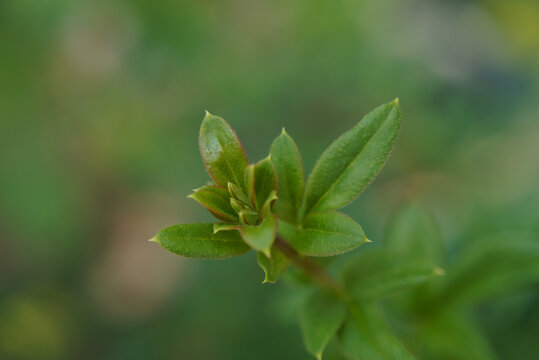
{"x":353,"y":160}
{"x":414,"y":233}
{"x":493,"y":266}
{"x":217,"y":201}
{"x":366,"y":336}
{"x":222,"y":152}
{"x":378,"y":274}
{"x":261,"y":237}
{"x":286,"y":158}
{"x":320,"y":318}
{"x":328,"y":233}
{"x":274,"y":266}
{"x":441,"y":333}
{"x":199,"y":241}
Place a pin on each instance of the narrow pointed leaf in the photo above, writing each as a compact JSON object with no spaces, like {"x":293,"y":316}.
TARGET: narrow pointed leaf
{"x":365,"y":335}
{"x":379,"y":274}
{"x":328,"y":233}
{"x":238,"y":206}
{"x":274,"y":266}
{"x":265,"y":182}
{"x":199,"y":241}
{"x":286,"y":158}
{"x":217,"y":201}
{"x":261,"y":237}
{"x":413,"y":232}
{"x":494,"y":266}
{"x":222,"y":152}
{"x":238,"y":194}
{"x":320,"y":318}
{"x":353,"y":160}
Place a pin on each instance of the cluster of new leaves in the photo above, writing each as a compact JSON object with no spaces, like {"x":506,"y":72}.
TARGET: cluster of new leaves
{"x":258,"y":203}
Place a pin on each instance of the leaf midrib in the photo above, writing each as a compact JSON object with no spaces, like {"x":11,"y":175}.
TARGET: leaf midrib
{"x":329,"y":232}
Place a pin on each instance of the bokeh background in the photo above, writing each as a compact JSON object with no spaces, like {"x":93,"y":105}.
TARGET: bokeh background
{"x":100,"y":104}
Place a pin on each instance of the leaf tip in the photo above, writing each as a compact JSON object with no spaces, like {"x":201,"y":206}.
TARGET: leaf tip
{"x":368,"y":240}
{"x":396,"y":101}
{"x":438,"y":271}
{"x":155,"y":240}
{"x":283,"y":131}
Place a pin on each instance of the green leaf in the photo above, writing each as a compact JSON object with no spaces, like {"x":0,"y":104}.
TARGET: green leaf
{"x":353,"y":160}
{"x":493,"y":266}
{"x":378,"y":274}
{"x":453,"y":336}
{"x":248,"y":217}
{"x":286,"y":230}
{"x":217,"y":201}
{"x":238,"y":194}
{"x":265,"y":182}
{"x":199,"y":241}
{"x":320,"y":318}
{"x":366,"y":336}
{"x":286,"y":158}
{"x":261,"y":237}
{"x":328,"y":233}
{"x":249,"y":178}
{"x":413,"y":232}
{"x":274,"y":266}
{"x":222,"y":152}
{"x":267,"y":204}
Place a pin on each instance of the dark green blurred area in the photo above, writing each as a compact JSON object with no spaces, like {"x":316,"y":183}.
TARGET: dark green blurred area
{"x":100,"y":104}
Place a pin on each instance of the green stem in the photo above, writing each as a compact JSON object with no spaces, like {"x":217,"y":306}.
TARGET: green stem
{"x":309,"y":267}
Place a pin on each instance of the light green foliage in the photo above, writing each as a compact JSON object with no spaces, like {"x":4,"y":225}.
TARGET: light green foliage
{"x":273,"y":266}
{"x":199,"y":241}
{"x":321,"y":316}
{"x":287,"y":161}
{"x":353,"y":160}
{"x":326,"y":234}
{"x":222,"y":152}
{"x":366,"y":336}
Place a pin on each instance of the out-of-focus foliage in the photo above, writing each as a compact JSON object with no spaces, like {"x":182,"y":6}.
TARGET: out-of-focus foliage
{"x":98,"y":104}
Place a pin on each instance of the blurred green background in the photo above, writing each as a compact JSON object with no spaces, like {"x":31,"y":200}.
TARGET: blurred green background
{"x":100,"y":104}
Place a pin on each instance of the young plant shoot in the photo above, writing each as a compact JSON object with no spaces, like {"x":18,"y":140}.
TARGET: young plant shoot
{"x":270,"y":208}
